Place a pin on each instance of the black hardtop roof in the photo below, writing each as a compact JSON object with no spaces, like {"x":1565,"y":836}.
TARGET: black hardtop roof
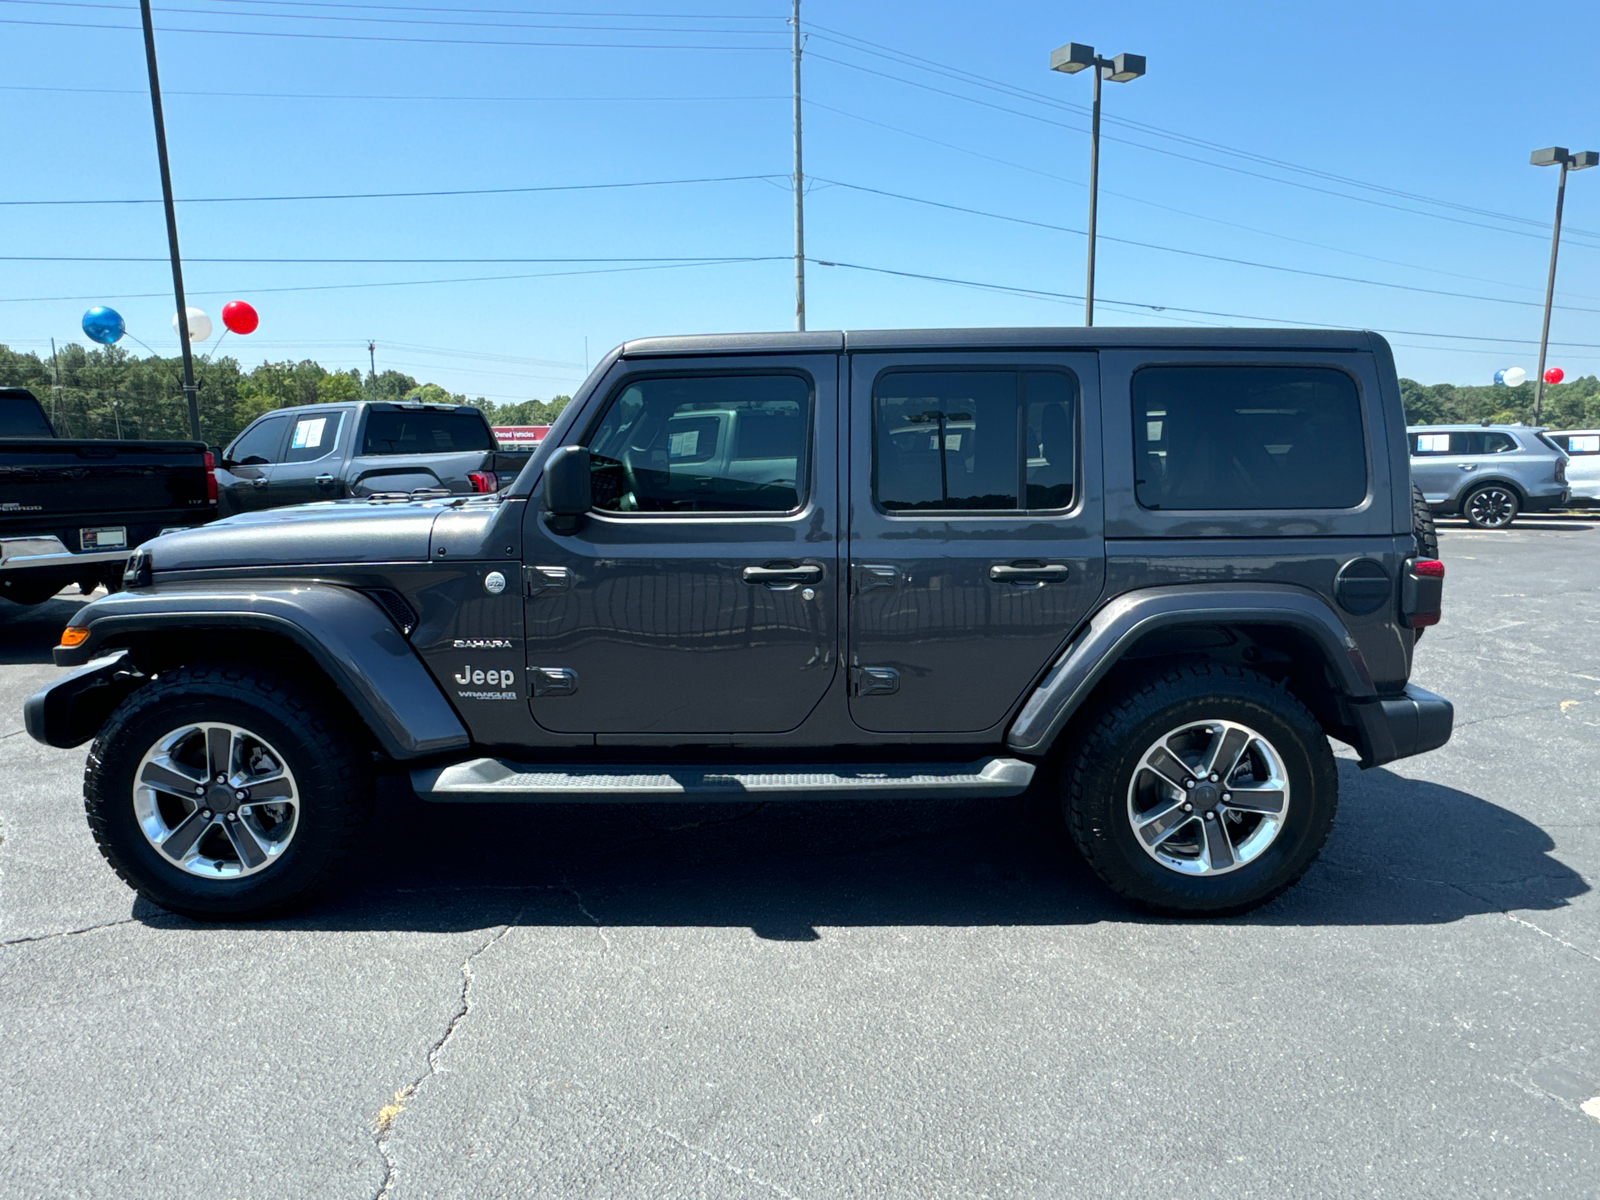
{"x":1066,"y":338}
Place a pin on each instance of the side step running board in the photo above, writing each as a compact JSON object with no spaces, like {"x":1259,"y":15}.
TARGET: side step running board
{"x":495,"y":779}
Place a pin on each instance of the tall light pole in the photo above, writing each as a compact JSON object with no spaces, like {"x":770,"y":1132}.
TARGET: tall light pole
{"x":799,"y":191}
{"x":172,"y":221}
{"x":1551,"y":157}
{"x":1071,"y":59}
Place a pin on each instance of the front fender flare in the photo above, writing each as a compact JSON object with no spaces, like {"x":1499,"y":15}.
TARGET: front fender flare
{"x":1124,"y":621}
{"x":346,"y":634}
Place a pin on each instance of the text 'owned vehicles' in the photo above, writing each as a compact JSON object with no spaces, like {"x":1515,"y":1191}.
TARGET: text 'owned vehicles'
{"x":1487,"y":473}
{"x":72,"y":509}
{"x":907,"y":565}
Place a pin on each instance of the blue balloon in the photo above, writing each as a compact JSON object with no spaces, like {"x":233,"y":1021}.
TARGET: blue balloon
{"x":1500,"y":377}
{"x":103,"y":325}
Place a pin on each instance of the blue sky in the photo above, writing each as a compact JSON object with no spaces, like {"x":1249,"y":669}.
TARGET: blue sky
{"x":1438,"y":102}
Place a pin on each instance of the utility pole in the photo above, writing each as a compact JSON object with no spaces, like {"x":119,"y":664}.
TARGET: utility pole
{"x":799,"y":191}
{"x":372,"y":358}
{"x":55,"y":386}
{"x":1554,"y":156}
{"x":1094,"y":200}
{"x":172,"y":221}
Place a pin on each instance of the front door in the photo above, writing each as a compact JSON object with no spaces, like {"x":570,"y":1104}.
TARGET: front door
{"x":244,"y":476}
{"x":698,"y":597}
{"x":975,"y":531}
{"x":1434,"y":465}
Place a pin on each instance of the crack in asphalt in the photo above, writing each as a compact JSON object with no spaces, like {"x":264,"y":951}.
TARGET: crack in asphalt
{"x":464,"y":1007}
{"x":66,"y":933}
{"x":577,"y":898}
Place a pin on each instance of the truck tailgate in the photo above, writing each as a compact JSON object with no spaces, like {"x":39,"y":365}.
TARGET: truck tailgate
{"x":45,"y":481}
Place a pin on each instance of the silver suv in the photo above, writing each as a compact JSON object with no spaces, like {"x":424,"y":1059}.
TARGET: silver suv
{"x":1487,"y":473}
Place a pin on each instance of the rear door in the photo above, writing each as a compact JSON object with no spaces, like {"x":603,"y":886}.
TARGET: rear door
{"x":313,"y":459}
{"x":698,"y":597}
{"x":975,"y":530}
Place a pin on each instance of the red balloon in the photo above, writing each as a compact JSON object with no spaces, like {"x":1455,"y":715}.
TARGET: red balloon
{"x":1554,"y":375}
{"x":239,"y":317}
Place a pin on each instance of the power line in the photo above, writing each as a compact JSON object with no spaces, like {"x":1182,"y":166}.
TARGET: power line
{"x":361,"y":37}
{"x":275,"y":16}
{"x":504,"y":191}
{"x":916,"y":62}
{"x":1185,"y":157}
{"x":340,"y":287}
{"x":409,"y":96}
{"x":1243,"y":262}
{"x":627,"y":258}
{"x":521,"y":12}
{"x":1042,"y":294}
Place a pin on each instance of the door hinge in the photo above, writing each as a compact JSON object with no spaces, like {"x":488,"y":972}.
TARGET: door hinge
{"x":553,"y":681}
{"x":537,"y":581}
{"x":874,"y":681}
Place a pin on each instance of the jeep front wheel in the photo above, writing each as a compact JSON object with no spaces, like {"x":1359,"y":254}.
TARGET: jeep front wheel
{"x":1201,"y":791}
{"x":220,"y":794}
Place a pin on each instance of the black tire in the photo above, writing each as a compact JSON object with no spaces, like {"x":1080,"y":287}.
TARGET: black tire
{"x":1492,"y":506}
{"x":1422,"y":526}
{"x":329,"y":761}
{"x":1106,"y":756}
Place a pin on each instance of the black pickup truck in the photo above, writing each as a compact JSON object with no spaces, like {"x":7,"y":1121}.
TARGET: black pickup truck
{"x":334,"y":451}
{"x":70,"y":511}
{"x":1148,"y":572}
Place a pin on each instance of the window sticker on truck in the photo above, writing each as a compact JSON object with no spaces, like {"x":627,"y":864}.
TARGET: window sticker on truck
{"x":308,"y":433}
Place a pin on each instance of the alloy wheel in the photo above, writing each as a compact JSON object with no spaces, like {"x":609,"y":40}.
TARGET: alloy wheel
{"x":1491,"y":507}
{"x":217,"y":801}
{"x":1208,"y":797}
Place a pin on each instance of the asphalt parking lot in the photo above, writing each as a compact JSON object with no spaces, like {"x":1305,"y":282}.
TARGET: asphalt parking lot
{"x":849,"y":1000}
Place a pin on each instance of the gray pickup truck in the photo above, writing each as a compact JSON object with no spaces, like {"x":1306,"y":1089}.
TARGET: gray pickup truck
{"x":1153,"y":571}
{"x":73,"y":509}
{"x":332,"y":451}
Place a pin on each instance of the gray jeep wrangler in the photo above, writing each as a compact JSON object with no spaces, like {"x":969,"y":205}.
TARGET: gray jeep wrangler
{"x":1153,"y":569}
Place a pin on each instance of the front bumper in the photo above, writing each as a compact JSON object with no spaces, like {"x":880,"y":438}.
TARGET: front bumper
{"x":1400,"y":726}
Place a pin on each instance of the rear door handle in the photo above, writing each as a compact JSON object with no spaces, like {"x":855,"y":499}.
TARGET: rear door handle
{"x":324,"y":479}
{"x":1028,"y":573}
{"x":803,"y":573}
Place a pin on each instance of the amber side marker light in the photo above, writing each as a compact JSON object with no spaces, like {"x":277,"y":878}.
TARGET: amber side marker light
{"x":73,"y":636}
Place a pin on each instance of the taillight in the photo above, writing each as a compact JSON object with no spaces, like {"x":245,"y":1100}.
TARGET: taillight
{"x":484,"y":481}
{"x":1561,"y":470}
{"x":211,"y":477}
{"x":1422,"y":592}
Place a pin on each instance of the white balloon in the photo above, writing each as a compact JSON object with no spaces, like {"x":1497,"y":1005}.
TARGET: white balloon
{"x":1516,"y":377}
{"x":199,"y":325}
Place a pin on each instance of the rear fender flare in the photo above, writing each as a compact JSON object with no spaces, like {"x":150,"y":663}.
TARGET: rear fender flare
{"x":1125,"y":621}
{"x":345,"y":633}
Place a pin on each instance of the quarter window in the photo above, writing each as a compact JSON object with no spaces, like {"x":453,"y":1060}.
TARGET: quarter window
{"x":974,"y":441}
{"x":313,"y":437}
{"x":1247,"y":437}
{"x":704,"y":443}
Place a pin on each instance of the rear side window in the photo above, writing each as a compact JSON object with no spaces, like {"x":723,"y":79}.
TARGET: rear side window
{"x":1579,"y":443}
{"x":260,"y":443}
{"x":1247,"y":437}
{"x":22,"y":417}
{"x":313,"y":437}
{"x":421,"y":431}
{"x":1482,"y":442}
{"x":974,"y":441}
{"x":704,"y":443}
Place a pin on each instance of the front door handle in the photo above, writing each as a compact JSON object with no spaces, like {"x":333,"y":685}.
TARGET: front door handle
{"x":803,"y":573}
{"x":260,"y":481}
{"x":1028,"y":573}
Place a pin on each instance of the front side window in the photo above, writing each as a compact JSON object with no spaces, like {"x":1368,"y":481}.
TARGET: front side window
{"x":974,"y":441}
{"x":425,"y":431}
{"x":704,"y":443}
{"x":1247,"y":437}
{"x":260,"y":444}
{"x":1430,"y":443}
{"x":313,"y":437}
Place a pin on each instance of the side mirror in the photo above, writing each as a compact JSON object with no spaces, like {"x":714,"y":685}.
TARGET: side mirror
{"x":567,"y":494}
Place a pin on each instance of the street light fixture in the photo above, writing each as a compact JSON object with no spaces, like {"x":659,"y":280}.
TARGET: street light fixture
{"x":1554,"y":156}
{"x":1070,"y":59}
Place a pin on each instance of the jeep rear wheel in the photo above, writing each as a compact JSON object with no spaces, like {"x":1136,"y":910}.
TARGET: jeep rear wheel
{"x":223,"y":795}
{"x":1493,"y":506}
{"x":1201,"y":791}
